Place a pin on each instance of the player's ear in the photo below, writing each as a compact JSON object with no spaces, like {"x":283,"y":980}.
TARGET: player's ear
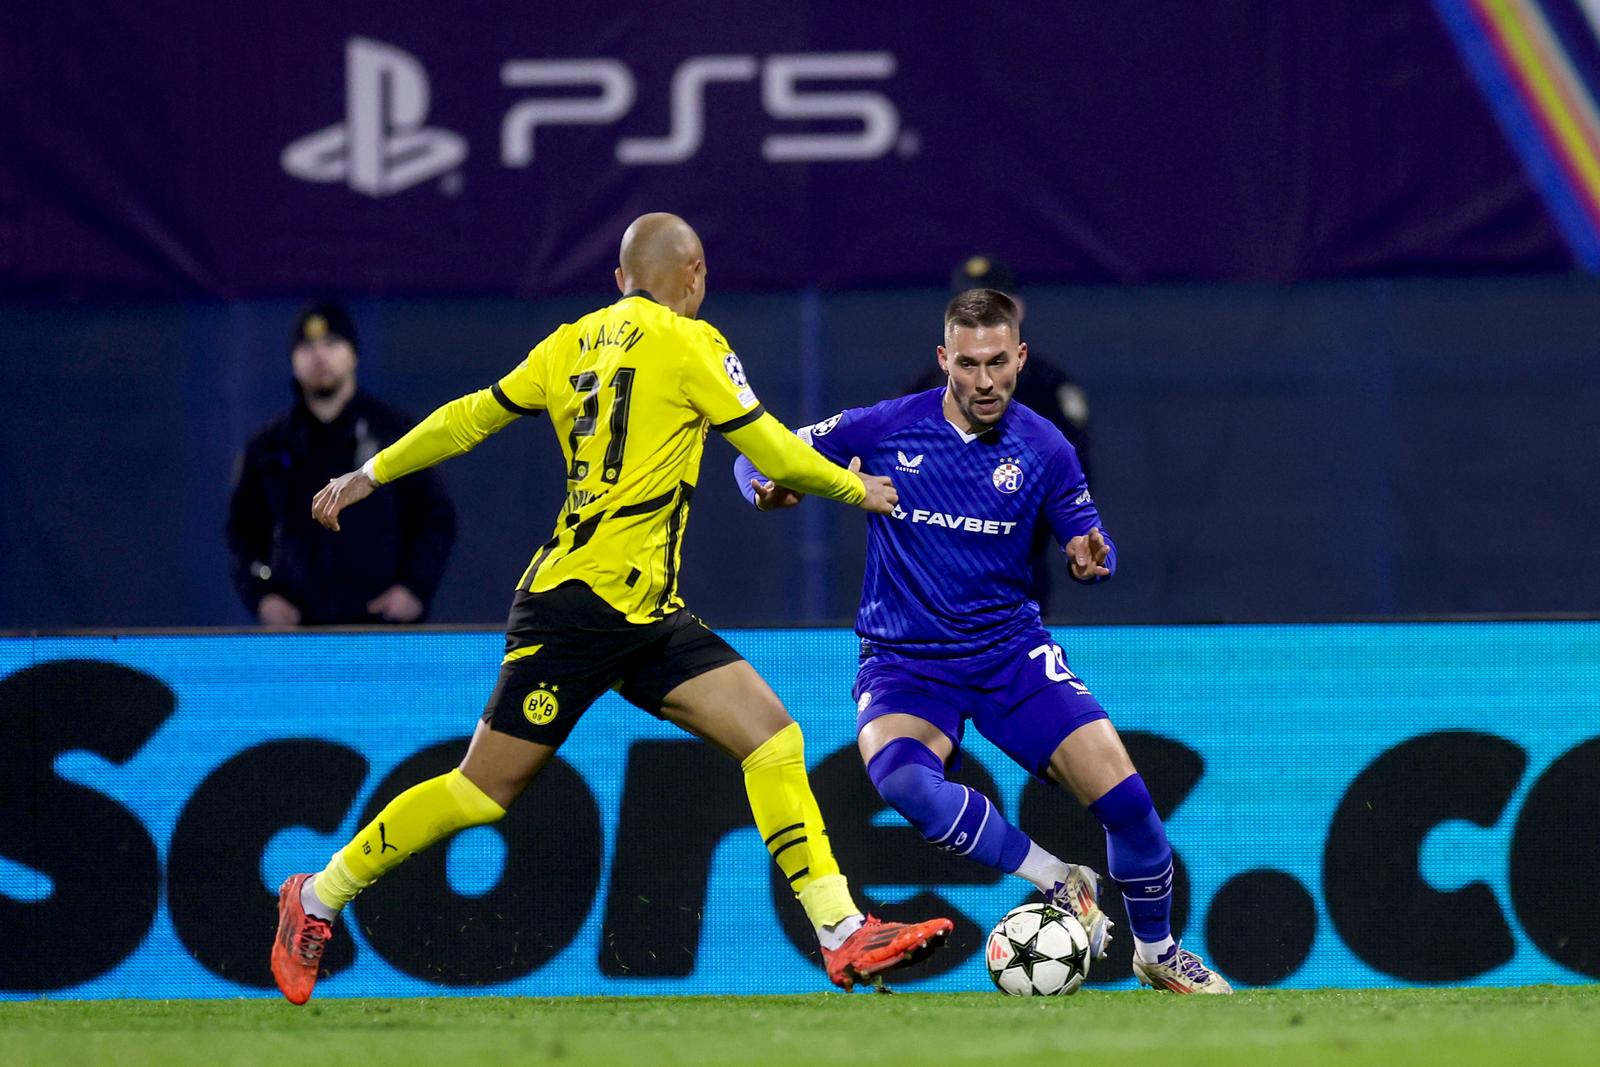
{"x":621,"y":288}
{"x":944,"y":358}
{"x":1022,"y":354}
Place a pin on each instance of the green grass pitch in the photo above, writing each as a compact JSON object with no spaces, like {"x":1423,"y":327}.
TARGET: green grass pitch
{"x":1412,"y":1028}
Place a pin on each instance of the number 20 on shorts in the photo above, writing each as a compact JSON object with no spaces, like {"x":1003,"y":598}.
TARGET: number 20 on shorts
{"x":1055,"y":666}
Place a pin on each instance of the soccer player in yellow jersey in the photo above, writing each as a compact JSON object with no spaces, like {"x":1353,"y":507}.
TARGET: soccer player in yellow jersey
{"x":631,"y":390}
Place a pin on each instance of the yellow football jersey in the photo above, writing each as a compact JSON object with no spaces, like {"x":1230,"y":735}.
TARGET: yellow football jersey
{"x":631,"y":391}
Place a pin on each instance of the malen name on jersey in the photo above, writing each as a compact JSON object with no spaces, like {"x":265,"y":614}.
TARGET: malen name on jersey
{"x":969,"y":523}
{"x":623,"y":335}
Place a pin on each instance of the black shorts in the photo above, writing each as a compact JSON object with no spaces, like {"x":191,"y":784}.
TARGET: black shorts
{"x":583,"y":646}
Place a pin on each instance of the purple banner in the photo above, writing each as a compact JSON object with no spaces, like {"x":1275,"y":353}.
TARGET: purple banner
{"x":500,"y":148}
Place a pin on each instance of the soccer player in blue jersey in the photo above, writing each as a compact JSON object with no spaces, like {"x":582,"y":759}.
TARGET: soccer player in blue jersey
{"x":949,"y":632}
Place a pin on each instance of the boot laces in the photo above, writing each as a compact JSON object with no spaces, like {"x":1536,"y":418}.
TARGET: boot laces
{"x":1190,"y":967}
{"x":312,"y":940}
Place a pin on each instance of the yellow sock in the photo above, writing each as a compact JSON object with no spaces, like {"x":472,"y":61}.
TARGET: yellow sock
{"x":791,"y":824}
{"x":408,"y":824}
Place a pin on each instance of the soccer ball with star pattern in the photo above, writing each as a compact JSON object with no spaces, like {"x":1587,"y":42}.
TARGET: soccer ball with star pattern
{"x":1038,"y":951}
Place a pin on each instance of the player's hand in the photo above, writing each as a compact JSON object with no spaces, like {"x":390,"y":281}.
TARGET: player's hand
{"x":274,"y":610}
{"x":339,"y":494}
{"x":396,"y":604}
{"x":1086,"y":555}
{"x":881,"y":494}
{"x":770,"y":496}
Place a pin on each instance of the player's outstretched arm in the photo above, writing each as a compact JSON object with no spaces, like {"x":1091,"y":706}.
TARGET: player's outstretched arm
{"x":771,"y":494}
{"x":453,"y":429}
{"x":789,"y":462}
{"x":713,"y":382}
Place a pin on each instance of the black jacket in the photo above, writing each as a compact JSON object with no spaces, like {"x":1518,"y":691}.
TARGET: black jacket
{"x":399,"y":535}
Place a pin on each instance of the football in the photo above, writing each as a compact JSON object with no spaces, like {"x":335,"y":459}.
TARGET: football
{"x":1038,"y":951}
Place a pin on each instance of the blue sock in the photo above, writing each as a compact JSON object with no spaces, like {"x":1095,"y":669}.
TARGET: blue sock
{"x":1138,"y":857}
{"x":959,"y":819}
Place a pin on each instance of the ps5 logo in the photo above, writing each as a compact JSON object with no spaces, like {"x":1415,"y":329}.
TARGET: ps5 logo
{"x":615,"y":90}
{"x":382,"y":146}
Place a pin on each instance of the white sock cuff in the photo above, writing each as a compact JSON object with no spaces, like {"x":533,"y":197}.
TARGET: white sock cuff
{"x":1041,"y":868}
{"x":312,"y":904}
{"x":831,"y":937}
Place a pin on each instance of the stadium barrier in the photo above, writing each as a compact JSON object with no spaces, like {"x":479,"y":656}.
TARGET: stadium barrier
{"x":1358,"y":804}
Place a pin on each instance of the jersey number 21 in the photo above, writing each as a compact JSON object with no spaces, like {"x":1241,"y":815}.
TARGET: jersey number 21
{"x":587,"y":385}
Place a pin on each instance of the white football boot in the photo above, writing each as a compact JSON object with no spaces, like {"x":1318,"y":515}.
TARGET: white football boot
{"x":1079,"y":894}
{"x":1181,"y":971}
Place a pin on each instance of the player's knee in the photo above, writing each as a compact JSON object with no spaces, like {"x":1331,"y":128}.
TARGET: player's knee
{"x":787,"y":745}
{"x":910,"y":778}
{"x":475,"y":804}
{"x":1136,"y":841}
{"x":487,"y":791}
{"x":1125,"y":805}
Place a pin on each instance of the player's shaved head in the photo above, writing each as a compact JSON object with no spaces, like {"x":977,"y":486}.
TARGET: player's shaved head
{"x":662,"y":254}
{"x":656,"y":243}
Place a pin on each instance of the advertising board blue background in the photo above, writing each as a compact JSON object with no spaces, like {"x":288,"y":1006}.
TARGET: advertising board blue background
{"x":1285,"y":719}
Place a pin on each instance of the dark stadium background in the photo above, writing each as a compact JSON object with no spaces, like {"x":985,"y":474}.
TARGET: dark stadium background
{"x":1336,"y":325}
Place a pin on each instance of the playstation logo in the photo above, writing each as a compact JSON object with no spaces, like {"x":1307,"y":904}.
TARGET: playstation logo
{"x":382,"y":146}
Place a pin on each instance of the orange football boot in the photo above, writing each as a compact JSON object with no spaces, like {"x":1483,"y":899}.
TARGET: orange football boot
{"x":879,"y":947}
{"x":297,"y":952}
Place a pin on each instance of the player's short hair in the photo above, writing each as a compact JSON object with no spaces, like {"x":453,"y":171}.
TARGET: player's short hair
{"x":981,"y":307}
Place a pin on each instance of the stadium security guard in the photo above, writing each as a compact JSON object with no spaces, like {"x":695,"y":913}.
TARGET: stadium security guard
{"x":288,"y":570}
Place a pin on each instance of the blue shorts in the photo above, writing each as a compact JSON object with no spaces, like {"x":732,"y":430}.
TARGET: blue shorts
{"x":1026,"y":703}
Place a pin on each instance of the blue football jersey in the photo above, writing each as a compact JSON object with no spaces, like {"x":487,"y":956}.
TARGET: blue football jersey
{"x":948,"y":573}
